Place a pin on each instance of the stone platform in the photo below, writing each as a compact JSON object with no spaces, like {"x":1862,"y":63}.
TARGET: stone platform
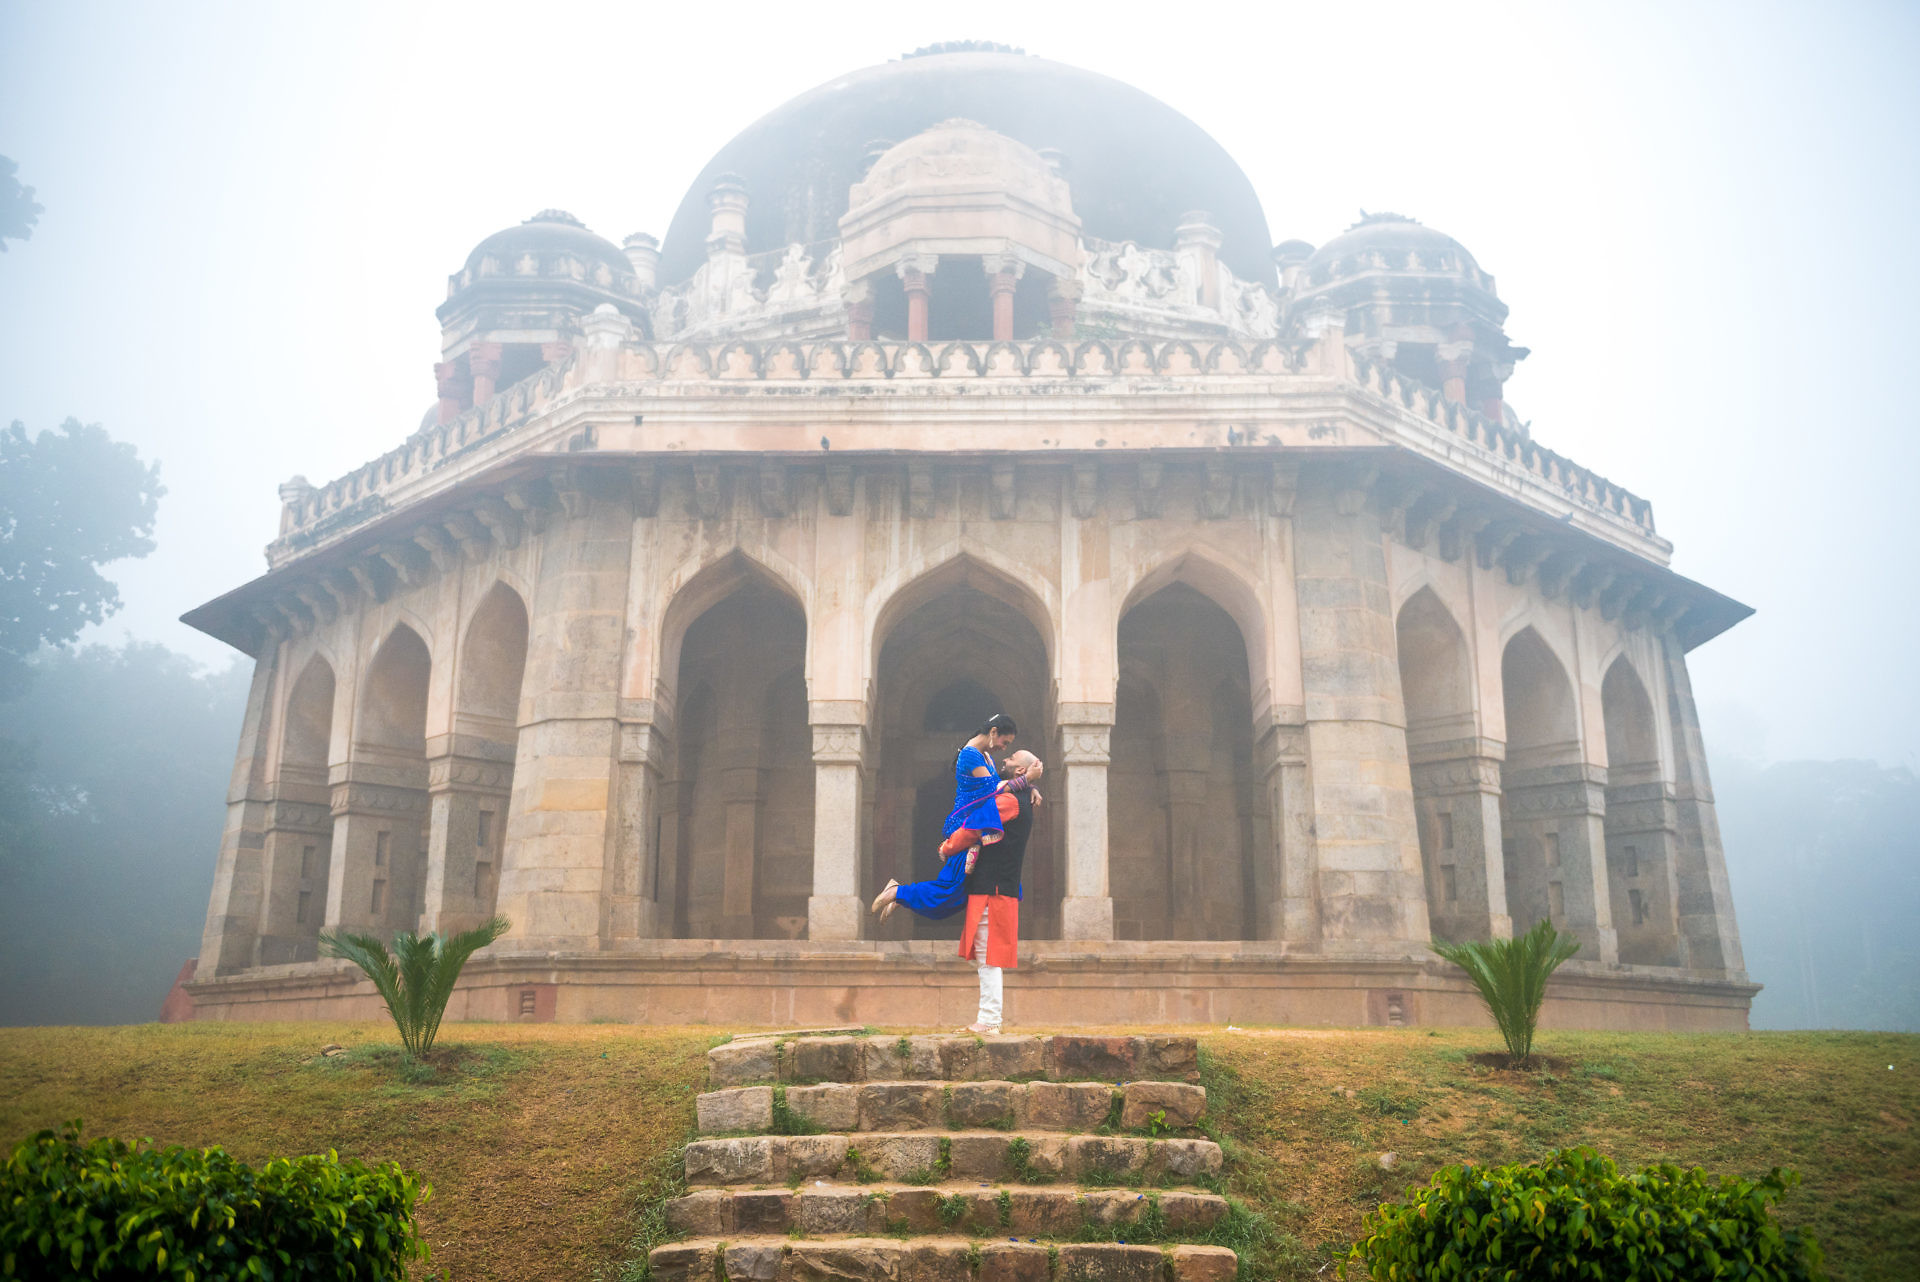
{"x":1059,"y":984}
{"x":832,"y":1156}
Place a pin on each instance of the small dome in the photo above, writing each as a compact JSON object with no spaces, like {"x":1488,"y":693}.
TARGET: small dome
{"x":551,"y":233}
{"x":1392,"y":242}
{"x":1291,"y":253}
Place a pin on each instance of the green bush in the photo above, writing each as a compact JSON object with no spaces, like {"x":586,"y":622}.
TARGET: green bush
{"x":1511,"y":975}
{"x":416,"y":979}
{"x":1575,"y":1216}
{"x":107,"y":1209}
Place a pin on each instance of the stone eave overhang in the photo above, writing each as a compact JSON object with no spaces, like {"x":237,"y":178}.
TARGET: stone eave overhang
{"x":1532,"y":511}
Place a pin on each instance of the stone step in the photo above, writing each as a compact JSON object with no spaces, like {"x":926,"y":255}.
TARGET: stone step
{"x":912,"y":1106}
{"x":1054,"y":1211}
{"x":924,"y":1157}
{"x":934,"y":1259}
{"x":1059,"y":1057}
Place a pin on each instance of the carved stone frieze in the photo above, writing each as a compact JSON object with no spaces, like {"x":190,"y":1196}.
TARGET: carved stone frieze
{"x":1461,"y":774}
{"x":844,"y":744}
{"x":377,"y":799}
{"x":299,"y":816}
{"x":464,"y":774}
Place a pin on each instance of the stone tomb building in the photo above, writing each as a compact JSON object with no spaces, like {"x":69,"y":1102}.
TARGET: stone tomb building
{"x":972,"y":382}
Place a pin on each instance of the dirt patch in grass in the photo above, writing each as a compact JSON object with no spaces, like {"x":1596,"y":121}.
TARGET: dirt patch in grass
{"x":1535,"y":1063}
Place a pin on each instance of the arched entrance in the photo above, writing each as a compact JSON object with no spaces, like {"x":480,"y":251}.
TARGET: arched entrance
{"x":377,"y":880}
{"x":1185,"y":819}
{"x":739,"y":801}
{"x":954,"y":655}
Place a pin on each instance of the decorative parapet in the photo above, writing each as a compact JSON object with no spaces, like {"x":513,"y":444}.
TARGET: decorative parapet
{"x":799,"y":288}
{"x":312,"y":516}
{"x":1160,"y":289}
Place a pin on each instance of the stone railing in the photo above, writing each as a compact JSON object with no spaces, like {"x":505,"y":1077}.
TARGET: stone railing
{"x":732,"y":294}
{"x":1159,"y":286}
{"x":1579,"y":483}
{"x":315,"y":514}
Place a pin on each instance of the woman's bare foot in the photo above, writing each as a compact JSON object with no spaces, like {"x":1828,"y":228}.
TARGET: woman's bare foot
{"x":982,"y":1030}
{"x":885,"y":899}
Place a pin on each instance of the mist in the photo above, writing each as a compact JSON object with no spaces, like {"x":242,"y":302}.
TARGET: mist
{"x":1701,"y":217}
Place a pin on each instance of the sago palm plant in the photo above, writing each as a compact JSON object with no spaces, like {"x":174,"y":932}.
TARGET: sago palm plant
{"x":416,"y":978}
{"x":1511,"y":975}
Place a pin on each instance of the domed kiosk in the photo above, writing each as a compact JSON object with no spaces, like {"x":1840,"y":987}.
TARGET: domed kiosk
{"x":969,"y":383}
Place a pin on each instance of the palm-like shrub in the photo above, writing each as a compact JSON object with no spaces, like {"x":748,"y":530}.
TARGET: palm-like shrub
{"x":1511,"y":975}
{"x":417,"y":977}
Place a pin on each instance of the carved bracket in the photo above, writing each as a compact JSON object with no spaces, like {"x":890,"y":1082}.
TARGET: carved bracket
{"x":1086,"y":489}
{"x":1000,"y":492}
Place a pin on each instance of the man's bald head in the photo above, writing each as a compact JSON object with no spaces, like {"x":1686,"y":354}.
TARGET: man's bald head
{"x":1023,"y":763}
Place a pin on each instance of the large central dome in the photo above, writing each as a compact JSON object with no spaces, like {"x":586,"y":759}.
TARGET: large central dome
{"x":1135,"y":165}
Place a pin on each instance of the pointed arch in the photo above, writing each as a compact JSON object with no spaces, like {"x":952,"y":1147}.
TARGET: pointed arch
{"x":392,"y":715}
{"x":954,"y":565}
{"x":306,"y":737}
{"x":1436,"y":671}
{"x":1542,"y":715}
{"x":492,"y":664}
{"x":1230,"y":587}
{"x":299,"y":837}
{"x":700,"y":584}
{"x":1640,"y":825}
{"x":1633,"y":741}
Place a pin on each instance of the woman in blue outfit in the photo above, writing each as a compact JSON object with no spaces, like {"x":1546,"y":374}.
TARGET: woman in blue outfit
{"x":975,"y":781}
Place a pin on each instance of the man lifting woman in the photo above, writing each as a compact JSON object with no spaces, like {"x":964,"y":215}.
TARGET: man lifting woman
{"x":984,"y":845}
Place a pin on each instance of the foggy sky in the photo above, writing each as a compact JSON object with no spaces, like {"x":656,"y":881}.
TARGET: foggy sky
{"x":1705,"y":218}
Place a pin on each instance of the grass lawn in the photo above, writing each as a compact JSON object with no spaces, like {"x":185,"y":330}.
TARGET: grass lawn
{"x":542,"y":1141}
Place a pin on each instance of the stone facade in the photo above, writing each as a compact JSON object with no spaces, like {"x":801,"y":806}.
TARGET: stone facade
{"x":658,"y":635}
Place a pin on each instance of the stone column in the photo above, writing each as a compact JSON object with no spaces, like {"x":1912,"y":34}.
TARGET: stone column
{"x":643,"y":253}
{"x":374,"y":882}
{"x":466,"y":820}
{"x":1003,"y":277}
{"x":1197,"y":241}
{"x":1452,"y":357}
{"x":913,"y":273}
{"x":859,"y":311}
{"x":484,"y":360}
{"x":1456,"y":793}
{"x":1705,"y":900}
{"x":233,"y":911}
{"x":834,"y":910}
{"x":1063,"y":304}
{"x":1289,"y":908}
{"x":1186,"y":813}
{"x":1371,"y":895}
{"x":637,"y":893}
{"x":569,"y":741}
{"x":736,"y":758}
{"x":446,"y":379}
{"x":1642,"y":829}
{"x":1554,"y":830}
{"x":299,"y":843}
{"x":1086,"y":736}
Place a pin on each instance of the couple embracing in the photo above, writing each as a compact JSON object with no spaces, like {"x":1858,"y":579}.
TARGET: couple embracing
{"x":985,"y":844}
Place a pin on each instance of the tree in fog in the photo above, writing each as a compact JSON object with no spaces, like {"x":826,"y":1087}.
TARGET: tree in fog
{"x":19,"y":211}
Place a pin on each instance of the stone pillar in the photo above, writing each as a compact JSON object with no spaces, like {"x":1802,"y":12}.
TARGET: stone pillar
{"x":834,"y":910}
{"x":466,"y":835}
{"x":1003,"y":277}
{"x":484,"y":360}
{"x":859,"y":311}
{"x":1063,"y":304}
{"x":299,"y":844}
{"x":1186,"y":814}
{"x":1452,"y":357}
{"x":1197,"y":241}
{"x":1554,"y":834}
{"x":1371,"y":895}
{"x":446,"y":378}
{"x":233,"y":911}
{"x":1642,"y":829}
{"x":913,"y":273}
{"x":1707,"y":925}
{"x":1290,"y":908}
{"x":727,"y":203}
{"x":633,"y":899}
{"x":374,"y":873}
{"x":643,"y":252}
{"x":1456,"y":794}
{"x":569,"y":742}
{"x":1086,"y":736}
{"x":736,"y":758}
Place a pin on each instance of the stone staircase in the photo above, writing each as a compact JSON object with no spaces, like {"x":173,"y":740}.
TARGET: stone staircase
{"x":831,"y":1156}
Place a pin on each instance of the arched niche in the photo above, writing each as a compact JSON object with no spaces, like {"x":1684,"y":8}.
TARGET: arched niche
{"x":1640,"y":824}
{"x":954,"y":647}
{"x":1550,"y":805}
{"x":738,"y":819}
{"x":299,"y":838}
{"x":471,"y":807}
{"x":380,"y":836}
{"x":1186,"y":818}
{"x":1455,"y":779}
